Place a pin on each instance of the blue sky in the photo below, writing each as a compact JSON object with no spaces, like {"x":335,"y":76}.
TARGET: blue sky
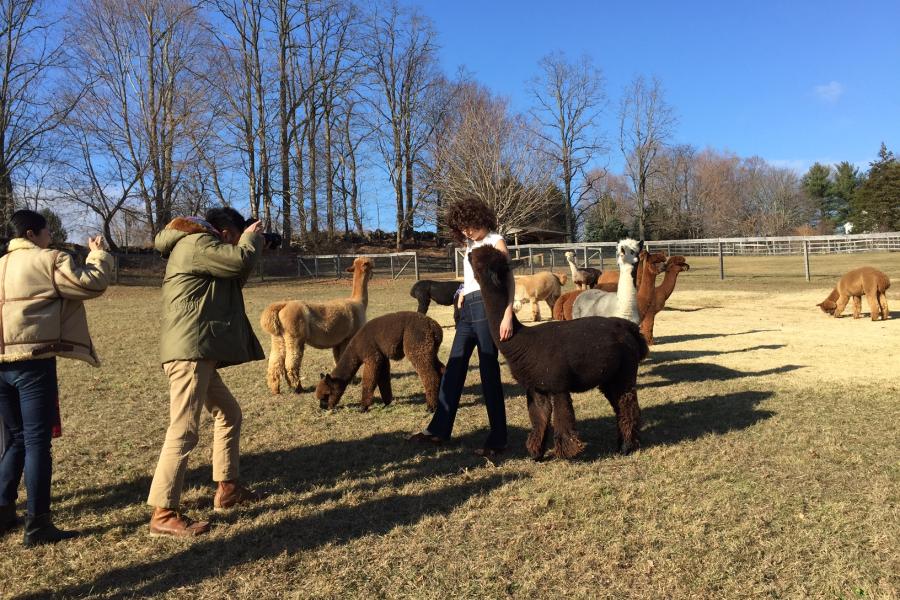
{"x":792,"y":82}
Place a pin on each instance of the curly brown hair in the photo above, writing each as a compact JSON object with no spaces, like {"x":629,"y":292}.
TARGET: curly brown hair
{"x":469,"y":212}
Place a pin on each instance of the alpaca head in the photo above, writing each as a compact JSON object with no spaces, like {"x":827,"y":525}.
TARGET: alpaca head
{"x":363,"y":265}
{"x":828,"y":306}
{"x":490,"y":266}
{"x":627,"y":251}
{"x":570,"y":256}
{"x":656,"y":262}
{"x":329,"y":391}
{"x":676,"y":264}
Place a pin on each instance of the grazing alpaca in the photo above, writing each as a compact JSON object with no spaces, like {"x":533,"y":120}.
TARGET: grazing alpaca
{"x":544,"y":286}
{"x":622,"y":303}
{"x":584,"y":278}
{"x":854,"y":284}
{"x":293,"y":324}
{"x":442,"y":292}
{"x":562,"y":310}
{"x":381,"y":340}
{"x":555,"y":359}
{"x":673,"y":267}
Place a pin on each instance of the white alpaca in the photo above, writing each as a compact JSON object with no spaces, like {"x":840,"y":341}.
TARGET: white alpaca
{"x":621,"y":303}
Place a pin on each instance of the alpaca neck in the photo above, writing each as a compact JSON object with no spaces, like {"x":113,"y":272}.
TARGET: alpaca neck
{"x":360,"y":291}
{"x":646,"y":281}
{"x":495,"y":301}
{"x":626,"y":295}
{"x":347,"y":366}
{"x":572,"y":267}
{"x":666,"y":288}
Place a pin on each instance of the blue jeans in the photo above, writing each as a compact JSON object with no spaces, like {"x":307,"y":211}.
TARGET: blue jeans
{"x":28,"y":407}
{"x":472,"y":331}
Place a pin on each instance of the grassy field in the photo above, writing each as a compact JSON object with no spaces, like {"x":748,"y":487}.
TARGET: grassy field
{"x":770,"y":467}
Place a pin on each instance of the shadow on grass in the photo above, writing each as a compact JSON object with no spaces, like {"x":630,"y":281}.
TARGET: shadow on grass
{"x":690,"y":337}
{"x":206,"y":558}
{"x":665,"y":356}
{"x":702,"y":372}
{"x":677,"y":422}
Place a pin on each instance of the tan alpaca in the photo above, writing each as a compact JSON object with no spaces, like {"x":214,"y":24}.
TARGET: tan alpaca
{"x":293,"y":324}
{"x":854,"y":284}
{"x":544,"y":286}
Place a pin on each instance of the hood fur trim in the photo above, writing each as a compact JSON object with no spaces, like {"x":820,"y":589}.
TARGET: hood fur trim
{"x":192,"y":225}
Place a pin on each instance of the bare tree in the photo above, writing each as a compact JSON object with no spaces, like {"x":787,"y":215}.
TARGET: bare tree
{"x":569,"y":97}
{"x":29,"y":109}
{"x":645,"y":124}
{"x":490,"y":155}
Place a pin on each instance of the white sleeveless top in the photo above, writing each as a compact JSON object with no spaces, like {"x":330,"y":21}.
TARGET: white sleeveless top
{"x":469,"y":282}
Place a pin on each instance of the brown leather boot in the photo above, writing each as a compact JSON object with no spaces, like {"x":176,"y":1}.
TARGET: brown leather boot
{"x":232,"y":493}
{"x":167,"y":522}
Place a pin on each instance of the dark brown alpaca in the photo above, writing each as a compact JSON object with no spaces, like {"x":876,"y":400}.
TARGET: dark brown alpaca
{"x":385,"y":338}
{"x":854,"y":284}
{"x":554,"y":359}
{"x":673,"y":267}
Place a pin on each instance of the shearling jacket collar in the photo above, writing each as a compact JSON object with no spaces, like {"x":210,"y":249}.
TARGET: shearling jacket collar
{"x":21,"y":244}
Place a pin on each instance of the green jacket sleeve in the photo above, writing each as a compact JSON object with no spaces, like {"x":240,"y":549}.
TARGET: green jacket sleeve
{"x":225,"y":261}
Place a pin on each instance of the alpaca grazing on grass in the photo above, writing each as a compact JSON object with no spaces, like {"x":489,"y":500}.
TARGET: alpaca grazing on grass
{"x":381,"y":340}
{"x":624,"y":302}
{"x":293,"y":324}
{"x":584,"y":278}
{"x":854,"y":284}
{"x":673,"y":266}
{"x":554,"y":359}
{"x":442,"y":292}
{"x":544,"y":286}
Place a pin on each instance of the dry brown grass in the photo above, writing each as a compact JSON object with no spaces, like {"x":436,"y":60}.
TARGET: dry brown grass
{"x":770,"y":467}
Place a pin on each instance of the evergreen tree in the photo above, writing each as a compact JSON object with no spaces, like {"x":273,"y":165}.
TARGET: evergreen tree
{"x":876,"y":204}
{"x":846,"y":181}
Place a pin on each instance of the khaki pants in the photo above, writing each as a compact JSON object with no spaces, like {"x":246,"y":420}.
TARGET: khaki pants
{"x":193,"y":385}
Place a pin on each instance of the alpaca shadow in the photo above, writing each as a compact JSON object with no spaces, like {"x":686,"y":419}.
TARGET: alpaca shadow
{"x":664,"y":356}
{"x":678,"y":422}
{"x":690,"y":337}
{"x":688,"y":310}
{"x":703,"y":372}
{"x":209,"y":557}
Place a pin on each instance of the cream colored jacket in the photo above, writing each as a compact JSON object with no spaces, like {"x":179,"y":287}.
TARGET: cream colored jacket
{"x":41,"y":309}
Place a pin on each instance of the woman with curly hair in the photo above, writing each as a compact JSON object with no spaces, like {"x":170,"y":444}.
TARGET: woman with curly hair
{"x":473,"y":223}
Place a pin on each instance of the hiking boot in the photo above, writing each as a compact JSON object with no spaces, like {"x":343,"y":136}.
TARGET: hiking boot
{"x":8,"y":519}
{"x":40,"y":530}
{"x":423,"y":437}
{"x":168,"y":522}
{"x":231,"y":493}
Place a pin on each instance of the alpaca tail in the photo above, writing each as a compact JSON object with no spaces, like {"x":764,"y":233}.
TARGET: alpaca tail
{"x":269,"y":320}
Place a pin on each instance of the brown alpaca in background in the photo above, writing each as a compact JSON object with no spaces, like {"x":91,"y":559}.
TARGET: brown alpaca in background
{"x":562,"y":310}
{"x":294,"y":324}
{"x":854,"y":284}
{"x":544,"y":286}
{"x":381,"y":340}
{"x":673,"y":267}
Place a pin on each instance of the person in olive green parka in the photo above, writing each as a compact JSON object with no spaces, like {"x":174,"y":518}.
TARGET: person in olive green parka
{"x":204,"y":327}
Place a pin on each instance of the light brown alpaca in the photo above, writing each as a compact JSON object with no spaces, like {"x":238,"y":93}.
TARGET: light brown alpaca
{"x":673,"y":267}
{"x":544,"y":286}
{"x":293,"y":324}
{"x":854,"y":284}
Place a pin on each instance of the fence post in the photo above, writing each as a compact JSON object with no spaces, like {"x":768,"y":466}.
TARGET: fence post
{"x":416,"y":264}
{"x":337,"y":266}
{"x":721,"y":263}
{"x":806,"y":258}
{"x":531,"y":259}
{"x":115,"y":281}
{"x":316,"y":266}
{"x":392,"y":266}
{"x":552,"y":260}
{"x":585,"y":256}
{"x":259,"y":268}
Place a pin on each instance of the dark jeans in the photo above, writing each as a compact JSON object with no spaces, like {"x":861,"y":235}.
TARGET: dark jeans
{"x":28,"y":407}
{"x":472,"y":331}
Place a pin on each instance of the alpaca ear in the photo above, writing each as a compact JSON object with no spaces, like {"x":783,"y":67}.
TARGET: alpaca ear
{"x":322,"y":375}
{"x":350,"y":269}
{"x":640,"y":245}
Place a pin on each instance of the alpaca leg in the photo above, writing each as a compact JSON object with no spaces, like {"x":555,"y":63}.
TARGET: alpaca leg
{"x":551,"y":302}
{"x":857,"y":306}
{"x":535,"y":309}
{"x":336,"y":351}
{"x":647,"y":326}
{"x":276,"y":365}
{"x":539,"y":411}
{"x":293,"y":359}
{"x":872,"y":298}
{"x":423,"y":304}
{"x":369,"y":381}
{"x":840,"y":306}
{"x":429,"y":370}
{"x":565,"y":438}
{"x":882,"y":300}
{"x":628,"y":417}
{"x":384,"y":382}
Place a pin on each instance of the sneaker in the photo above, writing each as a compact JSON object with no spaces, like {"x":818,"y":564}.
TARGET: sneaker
{"x":166,"y":522}
{"x":231,"y":493}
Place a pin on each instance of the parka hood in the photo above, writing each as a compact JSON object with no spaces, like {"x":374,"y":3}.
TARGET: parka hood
{"x":178,"y":229}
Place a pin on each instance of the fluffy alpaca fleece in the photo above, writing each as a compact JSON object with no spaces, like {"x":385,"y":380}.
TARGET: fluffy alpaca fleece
{"x":442,"y":292}
{"x":624,"y":302}
{"x":544,"y":286}
{"x":562,"y":310}
{"x":381,"y":340}
{"x":554,"y":359}
{"x":293,"y":324}
{"x":673,"y":266}
{"x":854,"y":284}
{"x":584,"y":278}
